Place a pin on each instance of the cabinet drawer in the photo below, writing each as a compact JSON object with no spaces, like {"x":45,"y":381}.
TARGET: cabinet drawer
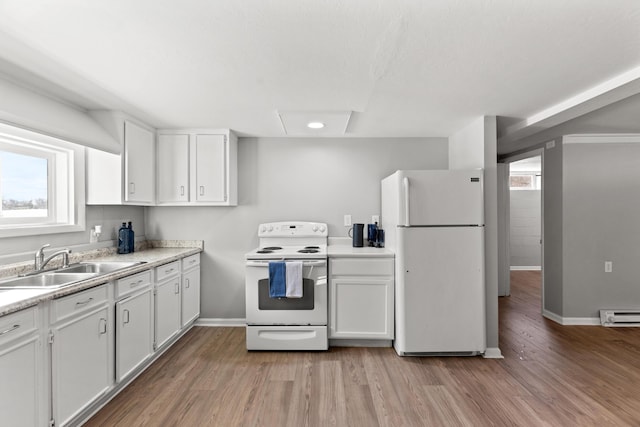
{"x":190,"y":261}
{"x":167,"y":270}
{"x":77,"y":303}
{"x":361,"y":267}
{"x":17,"y":324}
{"x":133,"y":283}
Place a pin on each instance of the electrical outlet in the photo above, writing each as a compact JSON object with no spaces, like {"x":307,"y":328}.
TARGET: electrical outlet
{"x":347,"y":220}
{"x":375,"y":218}
{"x":608,"y":266}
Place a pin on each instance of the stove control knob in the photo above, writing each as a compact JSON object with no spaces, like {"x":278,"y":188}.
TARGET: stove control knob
{"x":263,"y":229}
{"x":322,"y":228}
{"x":270,"y":228}
{"x":315,"y":228}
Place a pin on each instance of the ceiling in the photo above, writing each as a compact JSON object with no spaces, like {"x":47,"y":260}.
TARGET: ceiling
{"x":531,"y":164}
{"x":403,"y":69}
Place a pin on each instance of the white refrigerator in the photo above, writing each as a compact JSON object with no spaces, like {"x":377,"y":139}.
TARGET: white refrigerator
{"x":434,"y":222}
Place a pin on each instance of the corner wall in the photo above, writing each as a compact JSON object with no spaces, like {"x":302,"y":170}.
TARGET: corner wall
{"x":475,"y":146}
{"x":601,"y":211}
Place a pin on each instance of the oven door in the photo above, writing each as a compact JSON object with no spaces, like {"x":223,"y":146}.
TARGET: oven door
{"x":311,"y":309}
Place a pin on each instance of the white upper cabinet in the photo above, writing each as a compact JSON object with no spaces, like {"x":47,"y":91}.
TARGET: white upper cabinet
{"x":173,"y":168}
{"x":210,"y":169}
{"x":197,"y":167}
{"x":139,"y":164}
{"x":126,"y":178}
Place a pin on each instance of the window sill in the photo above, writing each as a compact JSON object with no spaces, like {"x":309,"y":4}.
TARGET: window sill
{"x":25,"y":230}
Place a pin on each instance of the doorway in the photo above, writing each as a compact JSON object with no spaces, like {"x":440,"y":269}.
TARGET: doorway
{"x":522,"y":215}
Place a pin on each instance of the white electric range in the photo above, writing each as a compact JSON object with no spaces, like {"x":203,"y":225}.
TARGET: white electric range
{"x":288,"y":323}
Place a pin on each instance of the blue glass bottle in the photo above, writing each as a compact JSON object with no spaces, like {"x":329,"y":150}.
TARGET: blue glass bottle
{"x":123,"y":239}
{"x":132,"y":242}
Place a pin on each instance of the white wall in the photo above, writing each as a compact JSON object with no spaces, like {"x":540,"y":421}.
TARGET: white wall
{"x":15,"y":249}
{"x":281,"y":179}
{"x":39,"y":113}
{"x":601,"y":198}
{"x":525,"y":228}
{"x":466,"y":147}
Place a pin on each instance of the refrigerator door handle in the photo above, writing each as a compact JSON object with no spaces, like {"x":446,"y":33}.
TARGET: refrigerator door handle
{"x":405,"y":187}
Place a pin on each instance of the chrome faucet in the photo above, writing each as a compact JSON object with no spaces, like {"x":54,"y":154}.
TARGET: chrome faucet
{"x":41,"y":261}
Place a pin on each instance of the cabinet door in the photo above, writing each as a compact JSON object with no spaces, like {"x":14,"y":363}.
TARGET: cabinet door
{"x":19,"y":389}
{"x":361,"y":308}
{"x":190,"y":296}
{"x":103,"y":173}
{"x":173,"y":168}
{"x":134,"y":333}
{"x":139,"y":159}
{"x":167,"y":310}
{"x":210,"y":160}
{"x":80,"y":362}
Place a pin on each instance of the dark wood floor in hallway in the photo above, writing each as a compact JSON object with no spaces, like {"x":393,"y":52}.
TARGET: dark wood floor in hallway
{"x":551,"y":375}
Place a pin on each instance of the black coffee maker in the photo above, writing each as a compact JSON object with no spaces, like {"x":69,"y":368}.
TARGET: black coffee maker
{"x":356,"y":234}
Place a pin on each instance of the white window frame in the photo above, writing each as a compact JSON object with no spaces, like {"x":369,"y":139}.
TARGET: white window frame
{"x":66,"y":198}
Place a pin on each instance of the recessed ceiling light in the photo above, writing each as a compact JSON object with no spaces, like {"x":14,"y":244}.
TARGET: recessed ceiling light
{"x":315,"y":125}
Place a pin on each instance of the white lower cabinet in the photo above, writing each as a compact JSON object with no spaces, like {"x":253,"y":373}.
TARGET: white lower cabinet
{"x":134,"y":323}
{"x":81,"y":339}
{"x":361,"y":292}
{"x":190,"y":289}
{"x":167,"y":303}
{"x":63,"y":359}
{"x":21,"y":370}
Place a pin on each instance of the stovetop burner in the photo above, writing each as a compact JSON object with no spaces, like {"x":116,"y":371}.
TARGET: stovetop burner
{"x":290,"y":240}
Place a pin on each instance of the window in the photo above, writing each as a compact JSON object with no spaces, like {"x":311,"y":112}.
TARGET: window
{"x":525,"y":181}
{"x":41,"y":184}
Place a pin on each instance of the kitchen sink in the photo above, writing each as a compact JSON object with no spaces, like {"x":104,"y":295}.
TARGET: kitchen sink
{"x":45,"y":281}
{"x":96,"y":268}
{"x":65,"y":276}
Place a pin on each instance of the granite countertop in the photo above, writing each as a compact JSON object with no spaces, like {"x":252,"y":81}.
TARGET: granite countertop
{"x":341,"y":247}
{"x":12,"y":300}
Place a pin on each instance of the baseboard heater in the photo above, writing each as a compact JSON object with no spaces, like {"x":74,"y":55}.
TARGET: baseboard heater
{"x":620,"y":317}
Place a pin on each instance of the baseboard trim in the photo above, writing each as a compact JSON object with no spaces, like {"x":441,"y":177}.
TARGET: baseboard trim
{"x":353,"y":342}
{"x":526,"y":267}
{"x":239,"y":322}
{"x":571,"y":321}
{"x":493,"y":353}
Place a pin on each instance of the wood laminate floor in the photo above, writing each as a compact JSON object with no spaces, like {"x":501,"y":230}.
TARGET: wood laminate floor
{"x":551,"y":375}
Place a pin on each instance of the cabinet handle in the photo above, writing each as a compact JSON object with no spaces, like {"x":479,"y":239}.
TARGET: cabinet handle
{"x":186,"y":285}
{"x":132,"y":188}
{"x":182,"y":190}
{"x":168,"y":271}
{"x":13,"y":328}
{"x":102,"y":326}
{"x":84,"y":302}
{"x":202,"y":190}
{"x":136,"y":283}
{"x":125,"y":317}
{"x":177,"y":288}
{"x":193,"y":261}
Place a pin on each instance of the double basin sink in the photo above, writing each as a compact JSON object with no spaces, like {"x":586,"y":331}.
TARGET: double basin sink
{"x":65,"y":276}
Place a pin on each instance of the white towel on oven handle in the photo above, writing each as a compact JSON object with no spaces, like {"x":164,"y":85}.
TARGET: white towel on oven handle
{"x":294,"y":279}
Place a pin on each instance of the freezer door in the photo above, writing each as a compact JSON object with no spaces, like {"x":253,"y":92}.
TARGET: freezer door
{"x":440,"y":293}
{"x":441,"y":197}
